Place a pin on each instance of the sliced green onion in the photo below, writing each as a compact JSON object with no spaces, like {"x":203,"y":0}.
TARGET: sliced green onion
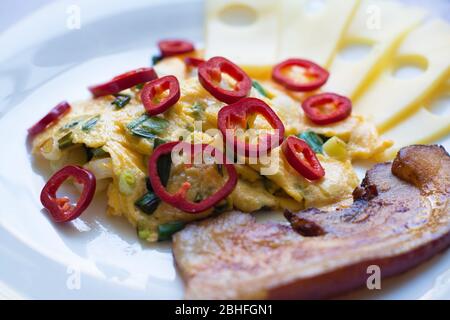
{"x":121,"y":100}
{"x":95,"y":153}
{"x":197,"y":111}
{"x":148,"y":203}
{"x":166,"y":230}
{"x":148,"y":127}
{"x":66,"y":141}
{"x":89,"y":124}
{"x":313,"y":140}
{"x":198,"y":197}
{"x":260,"y":89}
{"x":69,"y":125}
{"x":164,"y":165}
{"x":144,"y":234}
{"x":157,"y":142}
{"x":127,"y":182}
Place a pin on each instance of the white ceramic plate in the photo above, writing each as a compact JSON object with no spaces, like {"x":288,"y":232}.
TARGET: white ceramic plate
{"x":96,"y":256}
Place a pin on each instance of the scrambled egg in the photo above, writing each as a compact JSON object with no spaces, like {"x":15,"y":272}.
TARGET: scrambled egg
{"x":114,"y":143}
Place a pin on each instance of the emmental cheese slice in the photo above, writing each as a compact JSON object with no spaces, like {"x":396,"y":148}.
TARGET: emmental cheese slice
{"x":312,"y":29}
{"x":391,"y":99}
{"x":244,"y":31}
{"x":425,"y":125}
{"x":378,"y":26}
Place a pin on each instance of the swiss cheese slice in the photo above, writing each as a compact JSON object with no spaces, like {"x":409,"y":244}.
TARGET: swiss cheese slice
{"x":391,"y":99}
{"x":424,"y":126}
{"x":244,"y":31}
{"x":378,"y":27}
{"x":312,"y":29}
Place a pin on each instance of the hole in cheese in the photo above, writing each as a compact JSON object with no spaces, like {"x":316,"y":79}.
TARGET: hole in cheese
{"x":238,"y":15}
{"x":408,"y":67}
{"x":355,"y":51}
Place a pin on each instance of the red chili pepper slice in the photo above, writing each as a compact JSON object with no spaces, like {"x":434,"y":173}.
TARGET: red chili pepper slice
{"x":316,"y":74}
{"x":123,"y":82}
{"x":54,"y":115}
{"x":235,"y":115}
{"x":193,"y":62}
{"x":302,"y":158}
{"x":178,"y":200}
{"x":210,"y":76}
{"x":60,"y":209}
{"x":326,"y":108}
{"x":173,"y":47}
{"x":152,"y":90}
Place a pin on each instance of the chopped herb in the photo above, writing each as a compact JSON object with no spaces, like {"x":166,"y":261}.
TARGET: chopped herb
{"x":69,"y":125}
{"x":157,"y":142}
{"x":197,"y":111}
{"x":166,"y":230}
{"x":139,"y":86}
{"x":143,"y":234}
{"x":260,"y":89}
{"x":148,"y":203}
{"x":121,"y":100}
{"x":89,"y":124}
{"x":127,"y":182}
{"x":313,"y":140}
{"x":164,"y":164}
{"x":95,"y":153}
{"x":148,"y":127}
{"x":66,"y":141}
{"x":198,"y":197}
{"x":156,"y":58}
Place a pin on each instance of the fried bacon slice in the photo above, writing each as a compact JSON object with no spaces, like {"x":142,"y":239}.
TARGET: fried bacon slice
{"x":400,"y":217}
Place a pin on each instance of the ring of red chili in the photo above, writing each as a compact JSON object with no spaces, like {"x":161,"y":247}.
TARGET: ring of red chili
{"x":307,"y":163}
{"x":154,"y":88}
{"x":60,"y":209}
{"x":123,"y":82}
{"x":234,"y":115}
{"x":173,"y":47}
{"x":54,"y":115}
{"x":210,"y":76}
{"x":342,"y":108}
{"x":178,"y":200}
{"x":193,"y":62}
{"x":312,"y":70}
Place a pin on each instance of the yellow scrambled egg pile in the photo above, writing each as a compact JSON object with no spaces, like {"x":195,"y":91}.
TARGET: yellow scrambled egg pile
{"x":114,"y":143}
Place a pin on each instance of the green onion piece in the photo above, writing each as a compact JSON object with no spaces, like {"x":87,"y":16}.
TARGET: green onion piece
{"x":127,"y":182}
{"x":197,"y":111}
{"x":148,"y":203}
{"x":66,"y":141}
{"x":121,"y":100}
{"x":69,"y":125}
{"x":95,"y":153}
{"x":260,"y":89}
{"x":148,"y":127}
{"x":89,"y":124}
{"x":144,"y":234}
{"x":156,"y":58}
{"x":166,"y":230}
{"x":164,"y":165}
{"x":198,"y":197}
{"x":313,"y":140}
{"x":157,"y":142}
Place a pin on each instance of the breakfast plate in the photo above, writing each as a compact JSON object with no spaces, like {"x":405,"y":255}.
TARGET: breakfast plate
{"x":96,"y":256}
